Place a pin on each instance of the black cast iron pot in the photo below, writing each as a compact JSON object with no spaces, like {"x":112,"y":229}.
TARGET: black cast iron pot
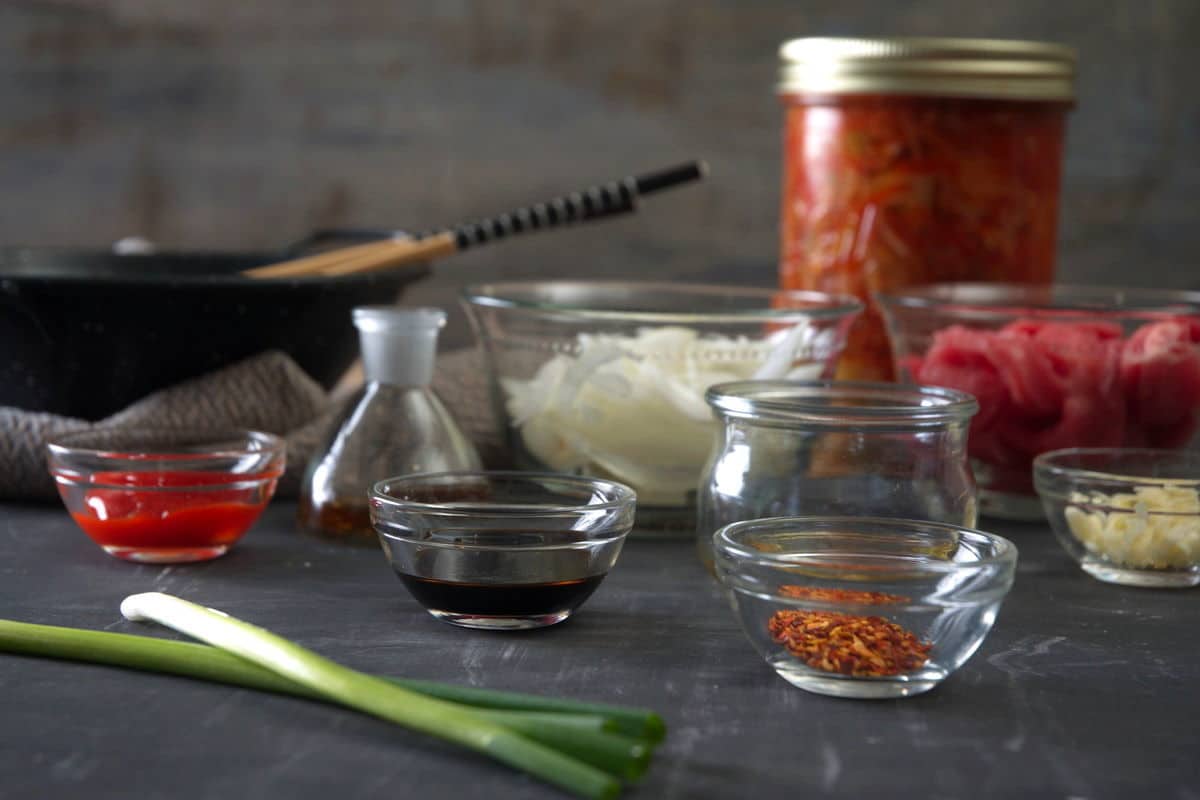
{"x":86,"y":333}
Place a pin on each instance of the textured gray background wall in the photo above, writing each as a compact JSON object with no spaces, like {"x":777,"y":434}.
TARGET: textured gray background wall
{"x":245,"y":123}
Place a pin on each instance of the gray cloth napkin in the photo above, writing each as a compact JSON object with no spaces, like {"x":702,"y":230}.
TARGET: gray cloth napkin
{"x":268,"y":392}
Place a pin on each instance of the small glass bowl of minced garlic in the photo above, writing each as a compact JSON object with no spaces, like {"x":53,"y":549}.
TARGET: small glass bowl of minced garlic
{"x":1129,"y":516}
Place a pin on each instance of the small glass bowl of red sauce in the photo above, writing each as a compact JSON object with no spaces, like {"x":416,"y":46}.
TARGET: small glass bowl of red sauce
{"x":166,"y":496}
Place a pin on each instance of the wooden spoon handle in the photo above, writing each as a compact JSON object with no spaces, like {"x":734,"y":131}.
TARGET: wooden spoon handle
{"x":396,"y":253}
{"x":316,"y":264}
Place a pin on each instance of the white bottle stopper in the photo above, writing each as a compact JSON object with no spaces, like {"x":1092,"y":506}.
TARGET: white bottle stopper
{"x":398,"y":344}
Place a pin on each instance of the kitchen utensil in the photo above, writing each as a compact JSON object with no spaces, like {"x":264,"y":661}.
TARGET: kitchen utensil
{"x":86,"y":333}
{"x":604,"y":200}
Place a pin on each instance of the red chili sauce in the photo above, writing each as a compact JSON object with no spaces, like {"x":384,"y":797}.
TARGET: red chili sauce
{"x":175,"y":512}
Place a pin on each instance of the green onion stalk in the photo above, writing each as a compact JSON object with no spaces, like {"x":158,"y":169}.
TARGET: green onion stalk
{"x":581,"y":747}
{"x":615,"y":738}
{"x":370,"y":694}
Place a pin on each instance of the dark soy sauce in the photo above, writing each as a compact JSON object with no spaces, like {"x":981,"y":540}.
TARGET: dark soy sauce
{"x":501,"y":599}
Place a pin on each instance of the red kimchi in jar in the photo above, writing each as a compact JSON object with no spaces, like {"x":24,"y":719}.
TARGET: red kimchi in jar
{"x":916,"y":161}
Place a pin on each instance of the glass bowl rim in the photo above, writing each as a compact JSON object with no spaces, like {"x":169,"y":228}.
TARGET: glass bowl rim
{"x":737,"y":399}
{"x":1006,"y":300}
{"x":1006,"y":554}
{"x":66,"y":451}
{"x":622,"y":496}
{"x":71,"y":444}
{"x":589,"y":543}
{"x":826,"y":305}
{"x":1047,"y":467}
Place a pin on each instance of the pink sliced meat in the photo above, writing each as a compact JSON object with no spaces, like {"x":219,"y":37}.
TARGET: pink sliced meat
{"x":960,"y":359}
{"x":1045,"y":385}
{"x":1030,"y":374}
{"x":1160,"y":376}
{"x":1086,"y":359}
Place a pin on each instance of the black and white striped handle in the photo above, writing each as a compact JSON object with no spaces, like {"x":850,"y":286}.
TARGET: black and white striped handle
{"x":601,"y":200}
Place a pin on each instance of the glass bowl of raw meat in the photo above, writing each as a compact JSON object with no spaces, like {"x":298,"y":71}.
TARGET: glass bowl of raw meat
{"x":1052,"y":367}
{"x":607,"y":379}
{"x":165,"y":496}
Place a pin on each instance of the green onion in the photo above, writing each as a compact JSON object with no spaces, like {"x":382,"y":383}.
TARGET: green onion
{"x":622,"y":756}
{"x":144,"y":653}
{"x":586,"y":735}
{"x":371,"y":695}
{"x":209,"y":663}
{"x":634,"y":722}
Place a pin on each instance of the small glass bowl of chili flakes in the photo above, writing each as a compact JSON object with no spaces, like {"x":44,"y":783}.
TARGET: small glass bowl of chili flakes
{"x":860,"y":606}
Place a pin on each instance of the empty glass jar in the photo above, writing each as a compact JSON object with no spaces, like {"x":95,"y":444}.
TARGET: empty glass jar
{"x":836,"y":448}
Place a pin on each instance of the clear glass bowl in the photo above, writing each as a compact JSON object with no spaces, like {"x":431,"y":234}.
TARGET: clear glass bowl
{"x":1052,"y":367}
{"x":863,"y":607}
{"x":1128,"y":516}
{"x":608,"y":379}
{"x":856,"y":448}
{"x":501,"y":550}
{"x":165,"y":496}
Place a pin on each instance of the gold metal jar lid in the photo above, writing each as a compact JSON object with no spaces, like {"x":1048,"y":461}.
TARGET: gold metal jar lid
{"x":981,"y":68}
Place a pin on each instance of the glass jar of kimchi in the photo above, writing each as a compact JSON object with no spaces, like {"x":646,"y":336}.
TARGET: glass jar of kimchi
{"x":915,"y":161}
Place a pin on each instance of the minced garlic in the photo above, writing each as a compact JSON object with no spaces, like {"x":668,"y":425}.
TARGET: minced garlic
{"x":1156,"y":527}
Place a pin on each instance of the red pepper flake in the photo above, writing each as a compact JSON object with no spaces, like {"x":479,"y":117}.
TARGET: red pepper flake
{"x":849,"y":644}
{"x":847,"y":596}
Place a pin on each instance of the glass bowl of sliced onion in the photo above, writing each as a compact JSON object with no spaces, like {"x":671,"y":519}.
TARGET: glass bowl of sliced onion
{"x":607,"y":379}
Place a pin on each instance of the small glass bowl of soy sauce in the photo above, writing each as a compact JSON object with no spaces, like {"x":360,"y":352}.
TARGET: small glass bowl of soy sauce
{"x":501,"y":550}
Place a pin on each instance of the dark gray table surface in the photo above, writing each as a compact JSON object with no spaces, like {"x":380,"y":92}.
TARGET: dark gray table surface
{"x":1082,"y":690}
